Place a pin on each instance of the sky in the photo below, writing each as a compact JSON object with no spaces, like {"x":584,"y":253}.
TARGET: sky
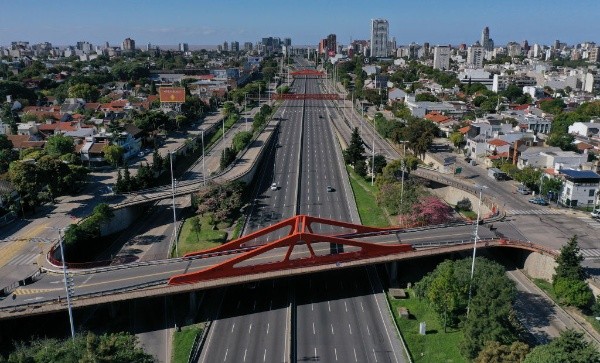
{"x":200,"y":22}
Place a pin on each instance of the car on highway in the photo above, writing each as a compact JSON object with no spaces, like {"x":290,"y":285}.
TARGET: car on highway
{"x":330,"y":188}
{"x":595,"y":213}
{"x":538,"y":201}
{"x":274,"y":186}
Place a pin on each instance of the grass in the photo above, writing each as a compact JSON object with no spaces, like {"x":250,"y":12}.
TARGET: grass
{"x":370,"y":213}
{"x":469,"y":214}
{"x":207,"y":238}
{"x":436,"y":345}
{"x":183,"y":341}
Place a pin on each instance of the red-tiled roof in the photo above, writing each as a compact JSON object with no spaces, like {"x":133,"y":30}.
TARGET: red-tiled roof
{"x":498,"y":142}
{"x":498,"y":156}
{"x":436,"y":117}
{"x":464,"y":130}
{"x":61,"y":126}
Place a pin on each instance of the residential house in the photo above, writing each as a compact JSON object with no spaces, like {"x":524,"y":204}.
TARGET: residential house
{"x":589,"y":129}
{"x":550,"y":157}
{"x":22,"y":142}
{"x":444,"y":122}
{"x":580,"y":188}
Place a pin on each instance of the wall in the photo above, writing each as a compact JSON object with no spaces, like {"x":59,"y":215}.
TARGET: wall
{"x":539,"y":266}
{"x":452,"y":195}
{"x":123,"y":218}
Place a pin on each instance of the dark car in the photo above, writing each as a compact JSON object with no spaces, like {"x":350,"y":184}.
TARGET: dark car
{"x":538,"y":201}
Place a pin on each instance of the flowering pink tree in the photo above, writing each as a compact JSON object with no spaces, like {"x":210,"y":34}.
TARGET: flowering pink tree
{"x":431,"y":210}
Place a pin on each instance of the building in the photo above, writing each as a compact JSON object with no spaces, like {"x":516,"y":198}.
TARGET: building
{"x":513,"y":49}
{"x":486,"y":42}
{"x":550,"y":157}
{"x":379,"y":38}
{"x":594,"y":55}
{"x":475,"y":55}
{"x":580,"y":188}
{"x":588,"y":129}
{"x":235,"y":46}
{"x":128,"y":44}
{"x":502,"y":81}
{"x":476,"y":75}
{"x":441,"y":57}
{"x":248,"y":46}
{"x":184,"y":47}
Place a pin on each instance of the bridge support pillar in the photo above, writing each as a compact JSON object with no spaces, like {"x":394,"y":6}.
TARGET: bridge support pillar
{"x":113,"y":310}
{"x":193,"y":300}
{"x":393,"y":272}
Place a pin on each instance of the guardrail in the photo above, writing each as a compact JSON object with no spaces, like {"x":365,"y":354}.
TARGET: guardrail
{"x":199,"y":343}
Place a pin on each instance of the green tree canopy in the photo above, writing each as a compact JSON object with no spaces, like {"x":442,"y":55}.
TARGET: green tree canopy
{"x":569,"y":347}
{"x":355,"y":150}
{"x":59,"y":144}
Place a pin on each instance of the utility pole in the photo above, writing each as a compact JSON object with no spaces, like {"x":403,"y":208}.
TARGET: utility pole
{"x":174,"y":211}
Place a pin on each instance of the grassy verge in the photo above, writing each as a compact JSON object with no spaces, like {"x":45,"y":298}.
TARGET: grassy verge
{"x":207,"y":238}
{"x":469,"y":214}
{"x":436,"y":345}
{"x":370,"y":213}
{"x":549,"y":290}
{"x":237,"y":229}
{"x":183,"y":341}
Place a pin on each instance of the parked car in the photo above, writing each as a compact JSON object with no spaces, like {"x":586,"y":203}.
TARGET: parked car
{"x":538,"y":201}
{"x":595,"y":213}
{"x":523,"y":190}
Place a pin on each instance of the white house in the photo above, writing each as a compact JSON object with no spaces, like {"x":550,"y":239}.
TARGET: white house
{"x":550,"y":157}
{"x":580,"y":188}
{"x":590,"y":129}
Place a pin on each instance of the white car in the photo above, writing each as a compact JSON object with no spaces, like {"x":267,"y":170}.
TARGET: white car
{"x":274,"y":186}
{"x":595,"y":213}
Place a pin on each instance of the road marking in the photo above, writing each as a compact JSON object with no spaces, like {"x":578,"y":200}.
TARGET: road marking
{"x":233,"y":326}
{"x":346,"y":306}
{"x":355,"y":357}
{"x":328,"y":306}
{"x":22,"y":291}
{"x":226,"y":351}
{"x":34,"y":298}
{"x":314,"y":332}
{"x":368,"y":331}
{"x":315,"y":352}
{"x":362,"y":307}
{"x":331,"y":329}
{"x":250,"y":328}
{"x":350,"y":328}
{"x":268,"y":328}
{"x":335,"y":351}
{"x":245,"y":351}
{"x":265,"y":355}
{"x":374,"y":355}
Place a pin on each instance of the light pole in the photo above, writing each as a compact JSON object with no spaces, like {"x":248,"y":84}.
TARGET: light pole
{"x":373,"y":150}
{"x":403,"y":164}
{"x":481,"y":188}
{"x":68,"y":290}
{"x":245,"y":112}
{"x":174,"y":211}
{"x":203,"y":170}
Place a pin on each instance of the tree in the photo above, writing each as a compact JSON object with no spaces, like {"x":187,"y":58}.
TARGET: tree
{"x":59,"y":144}
{"x":196,"y":227}
{"x":570,"y":347}
{"x":83,"y":90}
{"x":49,"y":165}
{"x":464,"y":204}
{"x":241,"y":140}
{"x":529,"y":176}
{"x":117,"y":347}
{"x":431,"y":210}
{"x":553,"y":106}
{"x":494,"y":352}
{"x":355,"y":150}
{"x":23,"y":176}
{"x":379,"y":163}
{"x":113,"y":154}
{"x":419,"y":133}
{"x":550,"y":185}
{"x":569,"y":262}
{"x":158,"y":162}
{"x":573,"y":292}
{"x":360,"y":167}
{"x":443,"y":293}
{"x":457,"y":139}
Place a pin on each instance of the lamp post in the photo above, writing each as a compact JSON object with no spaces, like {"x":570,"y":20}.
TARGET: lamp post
{"x":203,"y":165}
{"x":403,"y":164}
{"x":373,"y":152}
{"x":174,"y":211}
{"x":480,"y":187}
{"x":245,"y":110}
{"x":68,"y":289}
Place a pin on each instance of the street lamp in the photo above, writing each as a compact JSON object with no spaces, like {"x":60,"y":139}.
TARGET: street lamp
{"x":245,"y":111}
{"x":68,"y":283}
{"x":481,"y":188}
{"x":403,"y":165}
{"x":174,"y":211}
{"x":373,"y":150}
{"x":203,"y":172}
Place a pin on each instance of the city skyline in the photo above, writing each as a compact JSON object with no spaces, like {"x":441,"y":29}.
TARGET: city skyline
{"x":197,"y":23}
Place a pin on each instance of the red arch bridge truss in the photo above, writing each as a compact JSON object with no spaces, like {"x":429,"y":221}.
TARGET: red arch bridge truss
{"x":298,"y":246}
{"x":308,"y":73}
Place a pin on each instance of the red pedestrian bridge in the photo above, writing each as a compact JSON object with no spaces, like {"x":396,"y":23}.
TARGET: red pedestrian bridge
{"x":299,"y":247}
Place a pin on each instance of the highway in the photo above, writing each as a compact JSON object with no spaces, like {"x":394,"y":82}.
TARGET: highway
{"x":253,"y":323}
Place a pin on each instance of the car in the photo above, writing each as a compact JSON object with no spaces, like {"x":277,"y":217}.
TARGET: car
{"x":274,"y":186}
{"x":523,"y":190}
{"x":320,"y":116}
{"x":538,"y":201}
{"x":141,"y":154}
{"x":330,"y":188}
{"x":595,"y":213}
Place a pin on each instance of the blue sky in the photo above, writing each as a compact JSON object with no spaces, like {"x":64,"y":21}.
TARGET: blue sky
{"x":212,"y":22}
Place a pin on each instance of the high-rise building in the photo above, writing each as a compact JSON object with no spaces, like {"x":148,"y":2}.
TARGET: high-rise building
{"x":594,"y":55}
{"x":287,"y":42}
{"x":486,"y":42}
{"x":128,"y":44}
{"x":235,"y":46}
{"x":331,"y":43}
{"x":475,"y":54}
{"x":184,"y":47}
{"x":441,"y":57}
{"x":225,"y":46}
{"x":379,"y":38}
{"x":248,"y":46}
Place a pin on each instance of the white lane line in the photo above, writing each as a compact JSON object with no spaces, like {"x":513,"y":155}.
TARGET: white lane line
{"x":233,"y":326}
{"x":250,"y":328}
{"x":335,"y":351}
{"x":245,"y":351}
{"x":350,"y":328}
{"x":314,"y":332}
{"x":368,"y":331}
{"x":355,"y":357}
{"x":332,"y":333}
{"x":362,"y":307}
{"x":312,"y":307}
{"x":268,"y":328}
{"x":374,"y":355}
{"x":328,"y":306}
{"x":346,"y":306}
{"x":315,"y":352}
{"x":265,"y":355}
{"x":226,"y":351}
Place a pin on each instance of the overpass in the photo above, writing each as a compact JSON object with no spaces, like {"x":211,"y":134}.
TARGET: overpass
{"x":248,"y":259}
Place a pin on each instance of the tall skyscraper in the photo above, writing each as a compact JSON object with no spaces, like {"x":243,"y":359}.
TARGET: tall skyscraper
{"x":332,"y":43}
{"x":475,"y":55}
{"x":128,"y":44}
{"x":235,"y":46}
{"x":486,"y":42}
{"x":379,"y":38}
{"x":441,"y":57}
{"x":183,"y":47}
